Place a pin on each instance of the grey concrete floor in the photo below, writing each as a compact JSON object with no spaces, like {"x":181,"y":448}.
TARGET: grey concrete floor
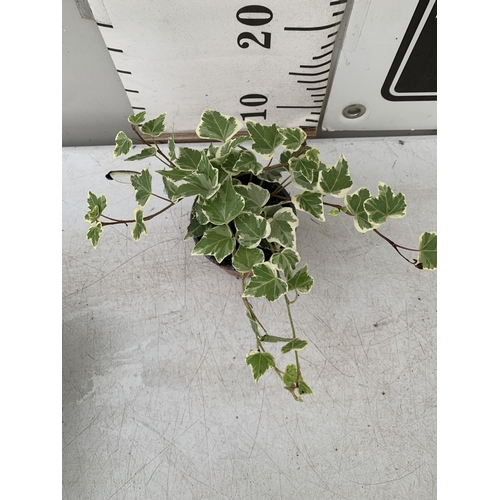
{"x":157,"y":400}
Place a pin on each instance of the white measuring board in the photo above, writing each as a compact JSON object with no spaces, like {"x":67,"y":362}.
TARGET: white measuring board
{"x":268,"y":62}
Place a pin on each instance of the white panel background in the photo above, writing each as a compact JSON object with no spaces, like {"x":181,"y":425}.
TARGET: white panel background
{"x":374,"y":33}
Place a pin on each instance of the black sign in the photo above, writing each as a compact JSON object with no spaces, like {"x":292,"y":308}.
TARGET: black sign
{"x":413,"y":74}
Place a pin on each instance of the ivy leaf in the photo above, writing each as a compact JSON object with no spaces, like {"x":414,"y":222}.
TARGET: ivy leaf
{"x":259,"y":362}
{"x":290,"y":376}
{"x":254,"y":325}
{"x":225,"y":205}
{"x":293,"y":138}
{"x":427,"y":257}
{"x":250,"y":229}
{"x":216,"y":126}
{"x":273,"y":175}
{"x":155,"y":126}
{"x":217,"y":241}
{"x":255,"y":197}
{"x":283,"y":226}
{"x":336,"y":180}
{"x":355,"y":203}
{"x":246,"y":162}
{"x":139,"y":226}
{"x":138,"y":118}
{"x":171,"y":147}
{"x":122,"y":144}
{"x":306,"y":165}
{"x":145,"y":153}
{"x":245,"y":258}
{"x":300,"y":181}
{"x":265,"y":283}
{"x":294,"y":345}
{"x":304,"y":388}
{"x":196,"y":229}
{"x":228,"y":146}
{"x":273,"y":339}
{"x":204,"y":182}
{"x":142,"y":185}
{"x":309,"y":202}
{"x":266,"y":138}
{"x":301,"y":281}
{"x":94,"y":233}
{"x":96,"y":205}
{"x":286,"y":261}
{"x":385,"y":205}
{"x":189,"y":159}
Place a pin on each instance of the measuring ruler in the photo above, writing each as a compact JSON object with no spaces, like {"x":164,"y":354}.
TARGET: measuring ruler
{"x":269,"y":62}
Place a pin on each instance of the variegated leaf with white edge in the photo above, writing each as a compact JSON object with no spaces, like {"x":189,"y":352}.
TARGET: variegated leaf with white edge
{"x":265,"y":283}
{"x":217,"y":241}
{"x":216,"y":126}
{"x":283,"y":225}
{"x":250,"y":229}
{"x":310,"y":202}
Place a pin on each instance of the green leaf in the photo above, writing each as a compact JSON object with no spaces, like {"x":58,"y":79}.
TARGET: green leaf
{"x":307,"y":165}
{"x":217,"y":241}
{"x":225,"y":205}
{"x":171,"y":147}
{"x":335,"y":180}
{"x":204,"y":182}
{"x":300,"y":181}
{"x":301,"y":281}
{"x":195,"y":229}
{"x":266,"y":138}
{"x":254,"y":324}
{"x":273,"y":175}
{"x":246,"y":162}
{"x":142,"y":185}
{"x":245,"y":258}
{"x":255,"y":197}
{"x":155,"y":126}
{"x":272,"y":339}
{"x":216,"y":126}
{"x":189,"y":159}
{"x":309,"y":202}
{"x":260,"y":362}
{"x":304,"y":388}
{"x":94,"y":233}
{"x":283,"y":226}
{"x":250,"y":229}
{"x":385,"y":205}
{"x":139,"y":226}
{"x":427,"y":257}
{"x":355,"y":203}
{"x":96,"y":206}
{"x":334,"y":212}
{"x":290,"y":376}
{"x":171,"y":188}
{"x":286,"y":261}
{"x":294,"y":345}
{"x":293,"y":138}
{"x":145,"y":153}
{"x":123,"y":144}
{"x":138,"y":118}
{"x":265,"y":283}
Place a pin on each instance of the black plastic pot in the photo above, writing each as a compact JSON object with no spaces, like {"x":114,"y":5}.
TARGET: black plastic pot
{"x":226,"y":263}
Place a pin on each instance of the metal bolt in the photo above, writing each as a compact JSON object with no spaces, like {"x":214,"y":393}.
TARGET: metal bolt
{"x":354,"y":111}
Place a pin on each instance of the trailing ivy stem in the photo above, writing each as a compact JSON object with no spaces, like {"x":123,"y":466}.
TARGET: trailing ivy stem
{"x":294,"y":335}
{"x":144,"y":141}
{"x":249,"y":308}
{"x":148,"y":217}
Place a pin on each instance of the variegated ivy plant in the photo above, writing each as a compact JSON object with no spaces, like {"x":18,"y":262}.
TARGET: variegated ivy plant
{"x":236,"y":219}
